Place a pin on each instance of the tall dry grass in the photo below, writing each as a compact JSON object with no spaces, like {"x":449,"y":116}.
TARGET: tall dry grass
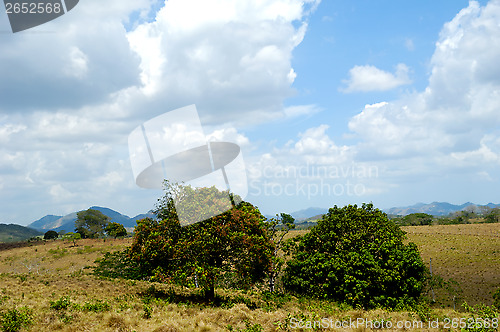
{"x":39,"y":276}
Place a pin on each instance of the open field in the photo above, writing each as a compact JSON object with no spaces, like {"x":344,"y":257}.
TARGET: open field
{"x":52,"y":281}
{"x":469,"y":254}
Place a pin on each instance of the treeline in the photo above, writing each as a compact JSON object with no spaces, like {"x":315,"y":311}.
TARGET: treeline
{"x":353,"y":255}
{"x":468,"y":216}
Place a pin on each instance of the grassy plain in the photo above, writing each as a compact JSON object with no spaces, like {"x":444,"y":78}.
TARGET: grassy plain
{"x":51,"y":280}
{"x":468,"y":254}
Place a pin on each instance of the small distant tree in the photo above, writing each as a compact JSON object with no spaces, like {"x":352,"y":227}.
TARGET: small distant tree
{"x":493,"y":216}
{"x":73,"y":237}
{"x":278,"y":228}
{"x":91,"y":223}
{"x":115,"y":230}
{"x":417,"y":219}
{"x":49,"y":235}
{"x":358,"y":256}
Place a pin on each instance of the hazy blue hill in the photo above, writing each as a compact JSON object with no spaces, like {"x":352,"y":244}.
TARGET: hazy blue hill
{"x":38,"y":224}
{"x":67,"y":222}
{"x":115,"y":216}
{"x":434,"y":208}
{"x":308,"y":213}
{"x":14,"y":233}
{"x":142,"y":216}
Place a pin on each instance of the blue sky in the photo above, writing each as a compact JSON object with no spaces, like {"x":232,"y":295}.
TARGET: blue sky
{"x":331,"y":102}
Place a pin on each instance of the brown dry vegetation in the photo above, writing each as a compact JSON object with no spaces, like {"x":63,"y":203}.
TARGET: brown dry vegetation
{"x":36,"y":275}
{"x":468,"y":254}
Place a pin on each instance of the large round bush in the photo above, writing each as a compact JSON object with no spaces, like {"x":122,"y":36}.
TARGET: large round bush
{"x":358,"y":256}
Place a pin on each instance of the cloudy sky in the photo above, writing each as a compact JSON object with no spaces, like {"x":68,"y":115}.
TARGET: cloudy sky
{"x":333,"y":102}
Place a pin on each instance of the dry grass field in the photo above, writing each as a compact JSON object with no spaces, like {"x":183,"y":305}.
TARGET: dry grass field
{"x":468,"y":254}
{"x":51,"y":281}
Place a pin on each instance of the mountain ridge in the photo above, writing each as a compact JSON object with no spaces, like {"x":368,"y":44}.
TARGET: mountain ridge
{"x":436,"y":208}
{"x":15,"y":233}
{"x":67,"y":222}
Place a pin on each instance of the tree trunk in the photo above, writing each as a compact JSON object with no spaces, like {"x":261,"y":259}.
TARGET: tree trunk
{"x":209,"y":293}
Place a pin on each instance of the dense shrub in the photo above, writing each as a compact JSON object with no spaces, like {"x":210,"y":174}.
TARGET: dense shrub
{"x":49,"y":235}
{"x":15,"y":319}
{"x":115,"y":230}
{"x":356,"y":255}
{"x":62,"y":303}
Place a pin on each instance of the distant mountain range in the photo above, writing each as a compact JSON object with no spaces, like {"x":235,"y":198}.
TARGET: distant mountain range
{"x":302,"y":215}
{"x":434,"y":208}
{"x":67,"y":222}
{"x":437,"y":208}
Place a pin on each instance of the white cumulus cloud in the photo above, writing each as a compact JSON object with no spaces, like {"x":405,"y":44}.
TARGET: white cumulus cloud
{"x":453,"y":124}
{"x":370,"y":78}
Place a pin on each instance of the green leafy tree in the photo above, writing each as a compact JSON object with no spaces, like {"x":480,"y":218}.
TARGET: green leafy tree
{"x":73,"y":237}
{"x":278,"y":228}
{"x":91,"y":223}
{"x":356,"y":255}
{"x":49,"y":235}
{"x":233,"y":243}
{"x":417,"y":219}
{"x":493,"y":216}
{"x":115,"y":230}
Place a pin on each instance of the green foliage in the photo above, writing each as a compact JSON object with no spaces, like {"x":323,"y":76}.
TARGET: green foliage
{"x":115,"y":230}
{"x":496,"y":298}
{"x":234,"y":241}
{"x":62,"y":303}
{"x":483,"y":318}
{"x":415,"y":219}
{"x":22,"y":277}
{"x":423,"y":311}
{"x":96,"y":306}
{"x":117,"y":264}
{"x":148,"y":311}
{"x":91,"y":223}
{"x":356,"y":255}
{"x":15,"y":319}
{"x":72,"y":236}
{"x":49,"y":235}
{"x":14,"y":233}
{"x":493,"y":216}
{"x":274,"y":301}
